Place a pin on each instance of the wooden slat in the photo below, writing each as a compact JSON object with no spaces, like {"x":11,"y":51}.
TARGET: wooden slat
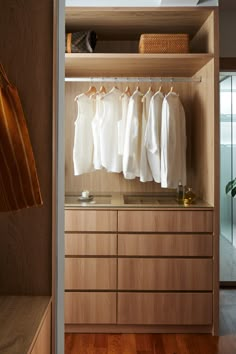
{"x":164,"y":274}
{"x":90,"y":220}
{"x":164,"y":343}
{"x":165,"y":308}
{"x":165,"y":221}
{"x":165,"y":245}
{"x":90,"y":244}
{"x":89,"y":307}
{"x":87,"y":65}
{"x":90,"y":273}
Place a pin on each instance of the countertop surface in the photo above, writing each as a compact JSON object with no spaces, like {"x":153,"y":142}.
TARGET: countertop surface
{"x":130,"y":201}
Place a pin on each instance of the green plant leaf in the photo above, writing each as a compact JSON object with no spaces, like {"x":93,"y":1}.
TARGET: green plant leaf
{"x":230,"y":185}
{"x":233,"y":192}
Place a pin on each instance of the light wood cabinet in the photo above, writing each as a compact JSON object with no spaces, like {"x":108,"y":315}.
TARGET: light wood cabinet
{"x":90,"y":220}
{"x":90,"y":273}
{"x":165,"y":221}
{"x":90,"y":307}
{"x":164,"y":274}
{"x":188,"y":245}
{"x":164,"y":260}
{"x":90,"y":244}
{"x":165,"y":308}
{"x":90,"y":266}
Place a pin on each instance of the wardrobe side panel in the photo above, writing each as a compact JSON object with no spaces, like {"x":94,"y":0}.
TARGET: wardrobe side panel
{"x":26,"y":54}
{"x":202,"y":135}
{"x":203,"y":41}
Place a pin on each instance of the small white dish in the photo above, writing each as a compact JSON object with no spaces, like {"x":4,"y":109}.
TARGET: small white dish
{"x":86,"y":199}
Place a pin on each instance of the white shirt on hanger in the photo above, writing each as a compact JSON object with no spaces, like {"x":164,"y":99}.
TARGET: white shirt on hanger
{"x":122,"y":123}
{"x":96,"y":129}
{"x":132,"y":145}
{"x":145,"y":171}
{"x":153,"y":135}
{"x":83,"y":139}
{"x":110,"y":159}
{"x":173,"y":142}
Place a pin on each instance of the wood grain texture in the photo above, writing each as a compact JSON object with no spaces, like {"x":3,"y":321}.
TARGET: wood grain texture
{"x":21,"y":318}
{"x":123,"y":23}
{"x":90,"y":220}
{"x":165,"y":245}
{"x":183,"y":65}
{"x":164,"y":274}
{"x":43,"y":341}
{"x":25,"y":237}
{"x":90,"y":307}
{"x":165,"y":221}
{"x":202,"y":136}
{"x":203,"y":41}
{"x":90,"y":273}
{"x":149,"y":344}
{"x":165,"y":308}
{"x":90,"y":244}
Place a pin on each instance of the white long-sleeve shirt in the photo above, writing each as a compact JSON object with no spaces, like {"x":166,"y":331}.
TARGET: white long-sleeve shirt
{"x":132,"y":145}
{"x":173,"y":142}
{"x":153,"y":135}
{"x":145,"y":171}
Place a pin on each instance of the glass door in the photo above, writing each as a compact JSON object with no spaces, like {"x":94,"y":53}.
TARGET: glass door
{"x":227,"y":173}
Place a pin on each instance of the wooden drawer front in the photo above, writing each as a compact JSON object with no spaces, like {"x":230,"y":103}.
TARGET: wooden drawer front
{"x":90,"y":220}
{"x":164,"y":274}
{"x":89,"y":307}
{"x":90,"y":244}
{"x":90,"y":273}
{"x":165,"y":308}
{"x":165,"y":221}
{"x":165,"y":245}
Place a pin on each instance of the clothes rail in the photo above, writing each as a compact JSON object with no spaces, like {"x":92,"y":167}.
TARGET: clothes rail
{"x":132,"y":79}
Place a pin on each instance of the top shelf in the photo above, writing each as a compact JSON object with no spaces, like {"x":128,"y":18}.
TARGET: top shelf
{"x":130,"y":23}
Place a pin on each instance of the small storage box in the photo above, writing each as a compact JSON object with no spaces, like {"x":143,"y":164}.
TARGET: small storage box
{"x":164,"y":43}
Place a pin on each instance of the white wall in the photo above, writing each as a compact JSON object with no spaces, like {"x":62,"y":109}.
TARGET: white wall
{"x":227,"y":33}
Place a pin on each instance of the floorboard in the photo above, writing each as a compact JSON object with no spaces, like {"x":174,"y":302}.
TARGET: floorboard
{"x":163,"y":343}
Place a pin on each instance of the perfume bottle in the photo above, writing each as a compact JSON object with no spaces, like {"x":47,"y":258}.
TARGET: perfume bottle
{"x":189,"y":197}
{"x":180,"y":193}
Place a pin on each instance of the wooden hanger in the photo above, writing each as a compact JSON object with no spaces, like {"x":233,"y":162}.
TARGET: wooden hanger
{"x":126,"y":92}
{"x":148,"y":91}
{"x":102,"y":89}
{"x":91,"y":91}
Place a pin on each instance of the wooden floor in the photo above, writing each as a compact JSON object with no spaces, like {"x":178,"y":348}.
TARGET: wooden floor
{"x":163,"y":343}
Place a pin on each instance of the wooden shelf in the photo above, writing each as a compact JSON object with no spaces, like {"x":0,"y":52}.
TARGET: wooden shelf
{"x":147,"y":65}
{"x":127,"y":23}
{"x":20,"y":320}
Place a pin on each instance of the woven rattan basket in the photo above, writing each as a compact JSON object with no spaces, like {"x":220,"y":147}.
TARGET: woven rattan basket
{"x":164,"y":43}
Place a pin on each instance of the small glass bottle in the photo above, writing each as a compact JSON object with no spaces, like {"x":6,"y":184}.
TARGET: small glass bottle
{"x":180,"y":193}
{"x":189,"y":197}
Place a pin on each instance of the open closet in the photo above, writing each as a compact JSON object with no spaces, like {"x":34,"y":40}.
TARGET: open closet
{"x":132,"y":264}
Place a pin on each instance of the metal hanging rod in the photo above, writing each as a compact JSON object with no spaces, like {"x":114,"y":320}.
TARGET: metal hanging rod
{"x":132,"y":79}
